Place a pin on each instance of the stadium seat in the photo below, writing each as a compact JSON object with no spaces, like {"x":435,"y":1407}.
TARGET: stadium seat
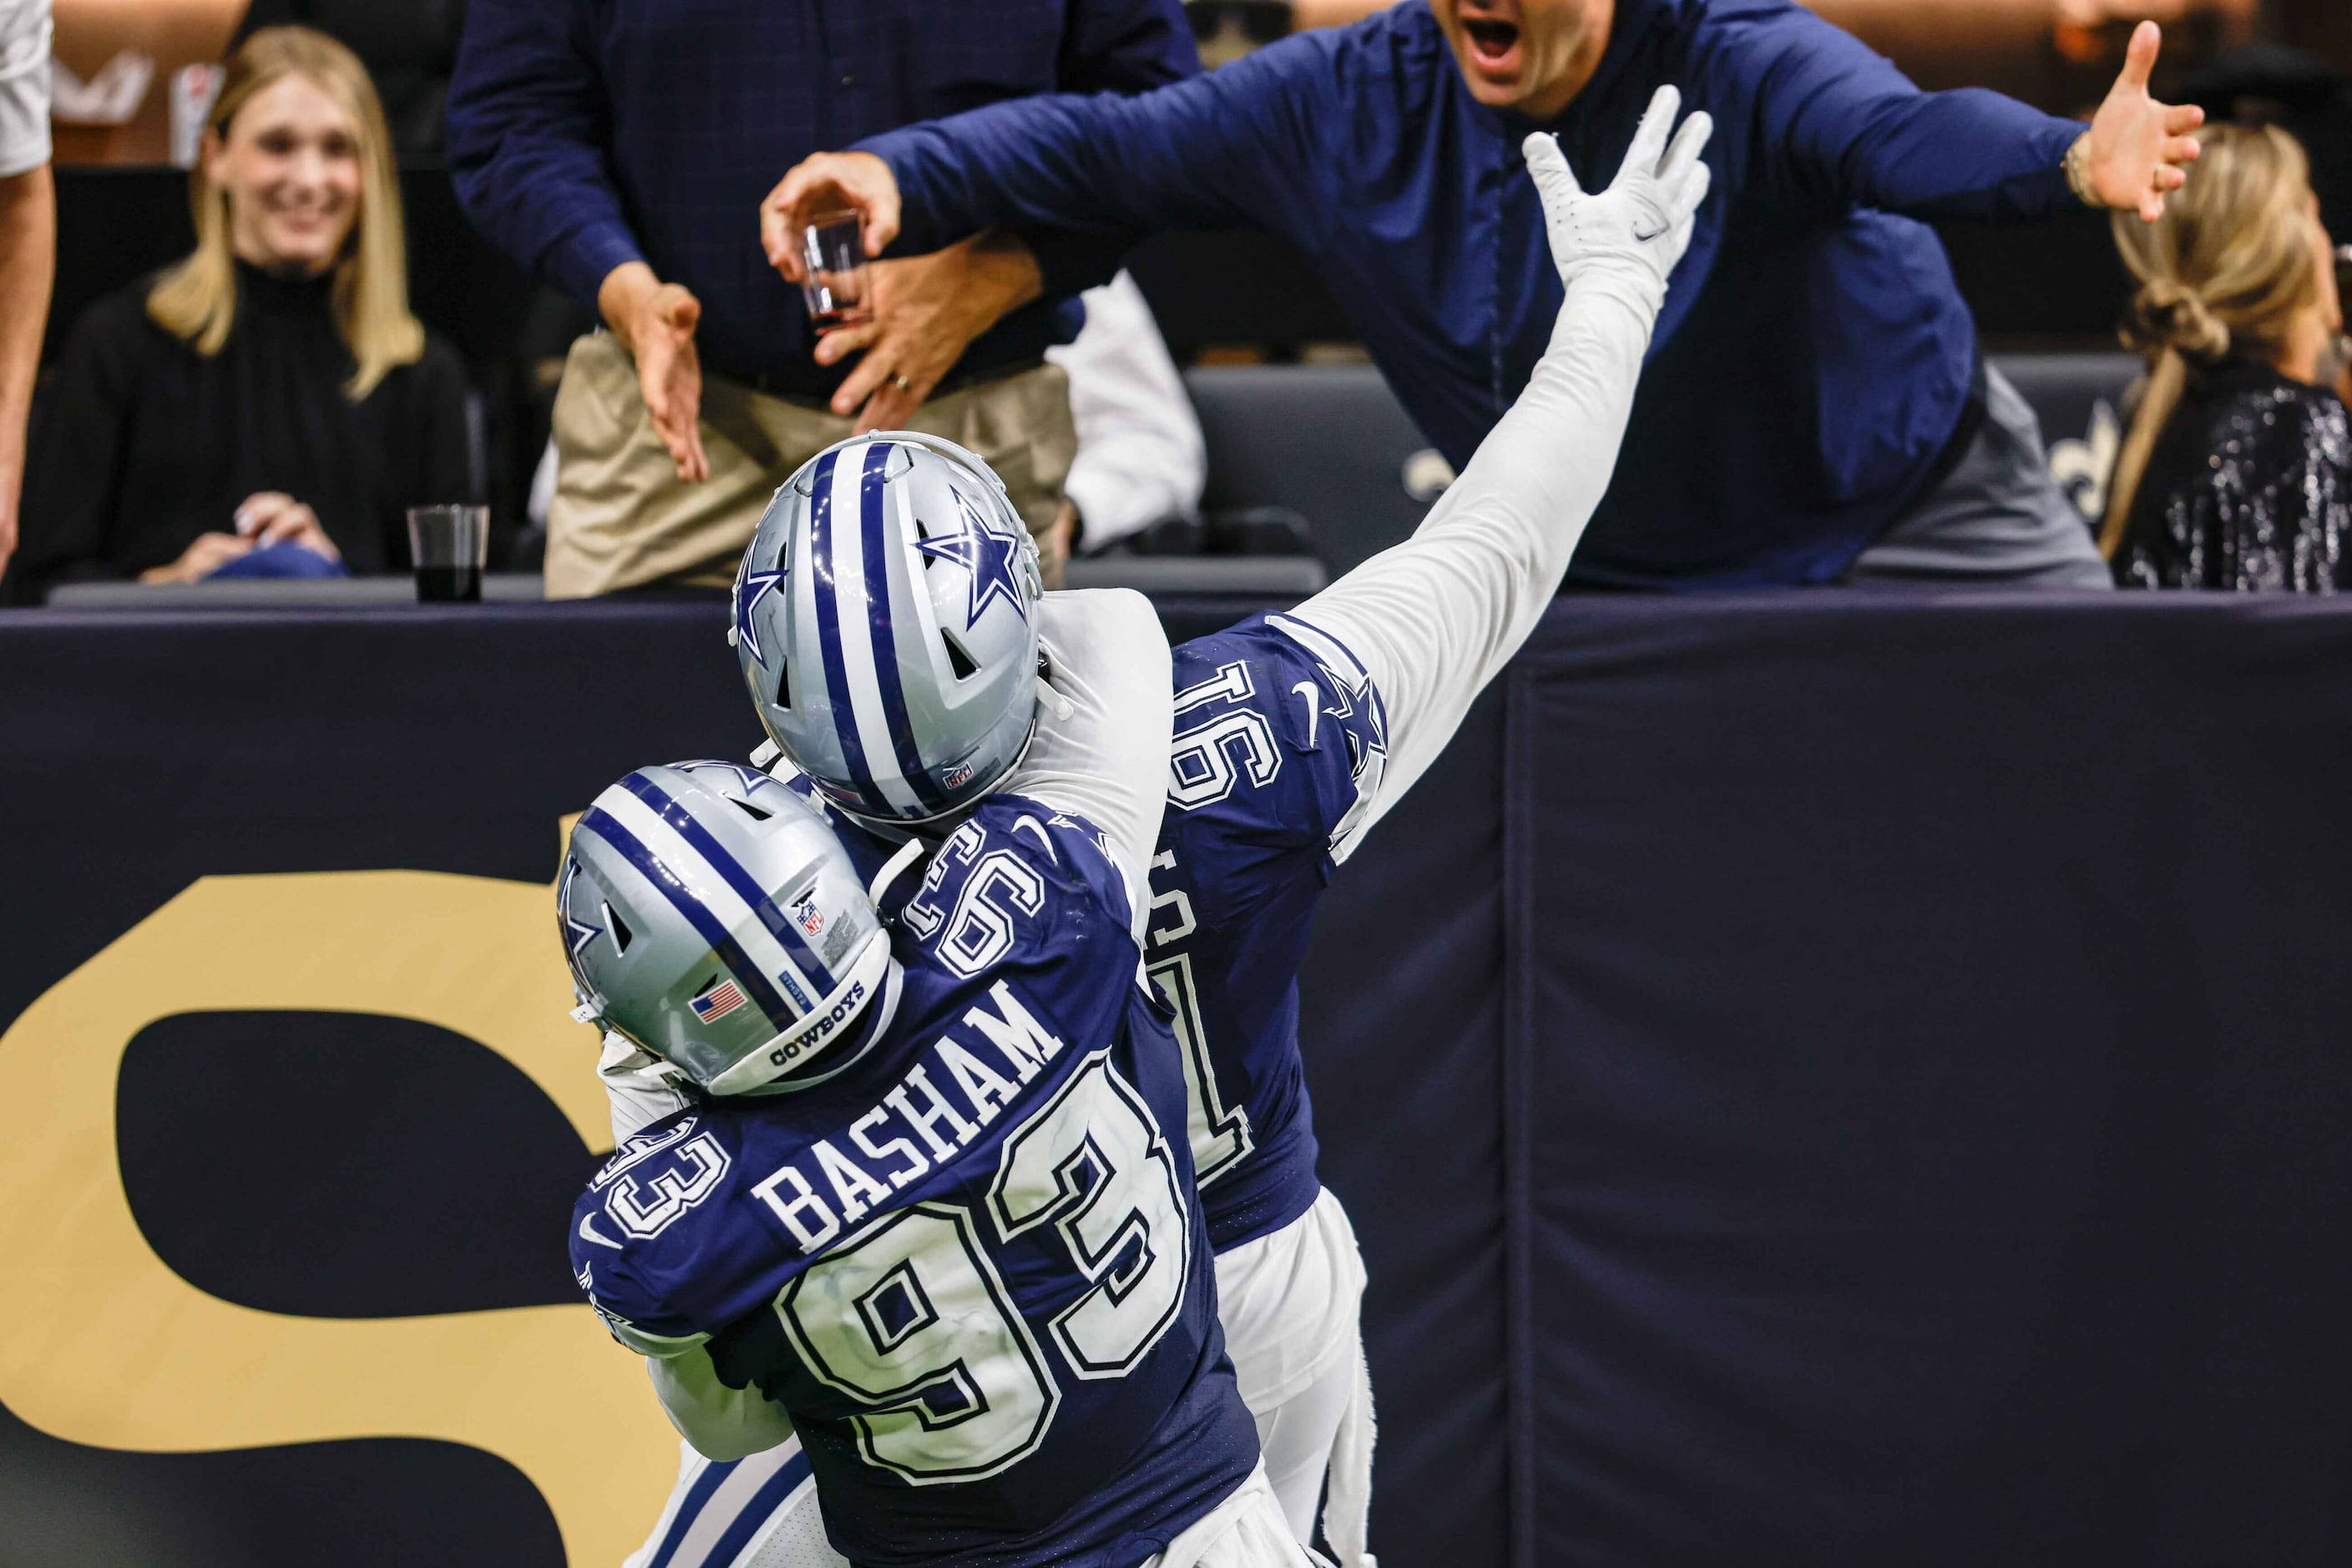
{"x":1329,"y":442}
{"x":2079,"y":400}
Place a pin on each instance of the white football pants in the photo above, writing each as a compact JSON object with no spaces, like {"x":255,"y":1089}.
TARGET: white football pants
{"x":1246,"y":1531}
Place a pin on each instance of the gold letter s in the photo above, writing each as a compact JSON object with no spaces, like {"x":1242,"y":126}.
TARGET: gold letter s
{"x":107,"y":1346}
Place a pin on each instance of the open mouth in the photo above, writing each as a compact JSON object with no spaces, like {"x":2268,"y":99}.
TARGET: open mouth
{"x":1492,"y":44}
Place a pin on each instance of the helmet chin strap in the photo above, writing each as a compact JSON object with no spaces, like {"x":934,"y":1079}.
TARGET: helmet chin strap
{"x":908,"y":853}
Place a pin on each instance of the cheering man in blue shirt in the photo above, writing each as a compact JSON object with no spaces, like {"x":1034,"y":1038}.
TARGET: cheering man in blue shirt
{"x":1814,"y":407}
{"x":619,"y":148}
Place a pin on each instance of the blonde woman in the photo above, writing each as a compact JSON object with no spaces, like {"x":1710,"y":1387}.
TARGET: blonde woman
{"x":2238,"y":469}
{"x":268,"y":404}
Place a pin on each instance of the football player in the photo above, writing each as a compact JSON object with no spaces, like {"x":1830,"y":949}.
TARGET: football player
{"x":872,"y":616}
{"x":927,"y":1209}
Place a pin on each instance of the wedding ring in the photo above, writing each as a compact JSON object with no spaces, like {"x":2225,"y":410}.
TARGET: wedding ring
{"x":900,"y":382}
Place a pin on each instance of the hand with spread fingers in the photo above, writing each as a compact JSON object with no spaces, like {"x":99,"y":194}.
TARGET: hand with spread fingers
{"x":656,"y":321}
{"x":2137,"y":150}
{"x":1636,"y":230}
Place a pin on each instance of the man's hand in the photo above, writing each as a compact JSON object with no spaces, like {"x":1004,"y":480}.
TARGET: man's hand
{"x":205,"y":554}
{"x":655,"y":321}
{"x":1638,"y":228}
{"x":2137,"y":150}
{"x":826,"y":182}
{"x":10,"y":487}
{"x":927,"y":311}
{"x":1055,"y":545}
{"x":273,"y":517}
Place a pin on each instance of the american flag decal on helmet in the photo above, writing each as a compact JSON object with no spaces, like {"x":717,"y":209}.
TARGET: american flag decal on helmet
{"x":717,"y":1002}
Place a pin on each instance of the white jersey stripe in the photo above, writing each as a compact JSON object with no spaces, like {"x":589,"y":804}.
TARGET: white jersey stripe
{"x":1322,"y":645}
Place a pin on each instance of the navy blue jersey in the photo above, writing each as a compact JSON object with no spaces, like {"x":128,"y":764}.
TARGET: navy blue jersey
{"x":1278,"y":745}
{"x":969,"y":1266}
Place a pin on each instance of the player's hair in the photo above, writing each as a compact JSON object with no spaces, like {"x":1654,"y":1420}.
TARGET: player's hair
{"x":196,"y":300}
{"x":2226,"y":270}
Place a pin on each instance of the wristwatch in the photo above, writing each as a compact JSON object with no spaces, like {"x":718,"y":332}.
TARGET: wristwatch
{"x":2077,"y":164}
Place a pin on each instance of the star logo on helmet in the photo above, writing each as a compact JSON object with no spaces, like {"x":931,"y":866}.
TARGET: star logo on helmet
{"x":751,"y":781}
{"x":992,"y":558}
{"x":577,"y":934}
{"x":750,"y":589}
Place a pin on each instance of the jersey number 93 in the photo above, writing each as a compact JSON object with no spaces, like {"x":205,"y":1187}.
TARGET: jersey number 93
{"x":913,"y":1322}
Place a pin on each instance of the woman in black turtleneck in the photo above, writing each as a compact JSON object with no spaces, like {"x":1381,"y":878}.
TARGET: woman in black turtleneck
{"x":272,"y":389}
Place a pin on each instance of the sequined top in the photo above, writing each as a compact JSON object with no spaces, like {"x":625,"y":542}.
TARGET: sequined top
{"x":2250,"y":488}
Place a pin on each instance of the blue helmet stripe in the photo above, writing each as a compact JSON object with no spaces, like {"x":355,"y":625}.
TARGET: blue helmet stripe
{"x":698,"y":1498}
{"x":738,"y":964}
{"x":780,"y":925}
{"x":873,"y":524}
{"x":828,"y":631}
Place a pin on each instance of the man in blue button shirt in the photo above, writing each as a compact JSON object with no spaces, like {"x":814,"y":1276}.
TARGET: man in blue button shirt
{"x":620,"y":148}
{"x":1814,"y":406}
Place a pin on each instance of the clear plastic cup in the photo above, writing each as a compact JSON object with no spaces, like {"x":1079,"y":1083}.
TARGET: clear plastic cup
{"x":449,"y":545}
{"x":838,"y":290}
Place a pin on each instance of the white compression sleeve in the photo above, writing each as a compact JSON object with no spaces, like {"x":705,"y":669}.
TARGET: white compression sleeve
{"x":1103,"y":723}
{"x":722,"y":1422}
{"x":1434,"y":618}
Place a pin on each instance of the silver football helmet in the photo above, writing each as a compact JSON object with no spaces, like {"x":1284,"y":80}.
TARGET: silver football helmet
{"x":885,"y":620}
{"x":711,"y":918}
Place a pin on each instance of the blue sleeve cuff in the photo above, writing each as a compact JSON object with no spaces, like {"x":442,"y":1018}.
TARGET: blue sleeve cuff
{"x":581,"y":261}
{"x":1070,"y":264}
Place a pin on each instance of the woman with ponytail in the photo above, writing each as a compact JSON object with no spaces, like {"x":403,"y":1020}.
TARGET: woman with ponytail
{"x":2237,"y":472}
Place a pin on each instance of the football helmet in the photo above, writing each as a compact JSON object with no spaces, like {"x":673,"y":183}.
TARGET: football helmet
{"x":710,"y":918}
{"x":885,"y":619}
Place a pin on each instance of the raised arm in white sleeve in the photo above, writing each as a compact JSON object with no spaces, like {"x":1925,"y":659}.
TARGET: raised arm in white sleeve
{"x":721,"y":1422}
{"x":1434,"y":618}
{"x":1104,"y":715}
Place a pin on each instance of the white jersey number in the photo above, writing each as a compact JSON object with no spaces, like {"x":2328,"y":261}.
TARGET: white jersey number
{"x":1220,"y":1137}
{"x":1092,"y":1164}
{"x":979,"y":928}
{"x":912,"y":1320}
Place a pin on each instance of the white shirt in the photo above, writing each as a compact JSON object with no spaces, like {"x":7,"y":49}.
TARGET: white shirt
{"x":24,"y":86}
{"x":1141,"y":455}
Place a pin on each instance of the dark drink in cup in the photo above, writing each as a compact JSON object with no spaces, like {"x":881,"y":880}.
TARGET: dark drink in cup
{"x":837,"y":289}
{"x":448,"y":545}
{"x":449,"y":585}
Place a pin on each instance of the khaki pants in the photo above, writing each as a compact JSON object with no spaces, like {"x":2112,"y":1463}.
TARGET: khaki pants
{"x":623,"y":519}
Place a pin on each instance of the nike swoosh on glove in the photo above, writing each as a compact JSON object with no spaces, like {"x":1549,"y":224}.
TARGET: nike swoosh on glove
{"x":1628,"y":238}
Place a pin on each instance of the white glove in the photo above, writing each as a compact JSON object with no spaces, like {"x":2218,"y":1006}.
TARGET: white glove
{"x":1635,"y":232}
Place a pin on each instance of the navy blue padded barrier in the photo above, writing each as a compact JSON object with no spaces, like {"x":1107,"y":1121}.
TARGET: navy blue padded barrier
{"x":1940,"y":1141}
{"x":1820,"y":1078}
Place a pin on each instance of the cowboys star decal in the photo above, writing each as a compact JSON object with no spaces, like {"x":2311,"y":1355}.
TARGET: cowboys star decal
{"x":1360,"y":752}
{"x":991,"y":557}
{"x":577,"y":934}
{"x":750,"y":589}
{"x":750,"y":780}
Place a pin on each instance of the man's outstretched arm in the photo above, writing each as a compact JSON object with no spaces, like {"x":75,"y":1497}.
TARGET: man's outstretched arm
{"x":1833,"y":118}
{"x":1434,"y":618}
{"x":1233,"y":148}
